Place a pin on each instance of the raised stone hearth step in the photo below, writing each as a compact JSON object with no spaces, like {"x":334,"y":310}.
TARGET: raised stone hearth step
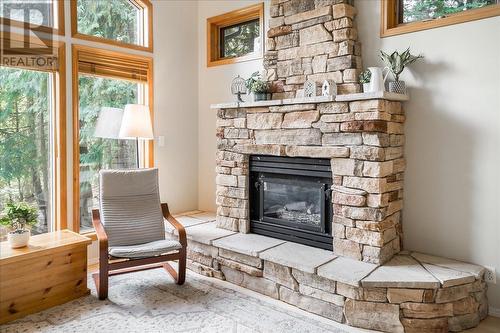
{"x":206,"y":233}
{"x":401,"y":272}
{"x":301,"y":257}
{"x":204,"y":216}
{"x":346,"y":270}
{"x":412,"y":292}
{"x":249,"y":244}
{"x":456,"y":265}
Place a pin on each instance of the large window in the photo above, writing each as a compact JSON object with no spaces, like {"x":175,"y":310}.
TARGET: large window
{"x":103,"y":83}
{"x":126,"y":23}
{"x":37,"y":15}
{"x":403,"y":16}
{"x":235,"y":36}
{"x":32,"y":144}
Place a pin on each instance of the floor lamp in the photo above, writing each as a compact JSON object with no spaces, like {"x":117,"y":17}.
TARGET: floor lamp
{"x":136,"y":124}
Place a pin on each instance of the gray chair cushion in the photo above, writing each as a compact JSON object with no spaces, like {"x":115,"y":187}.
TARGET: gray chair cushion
{"x":130,"y":206}
{"x":145,"y":250}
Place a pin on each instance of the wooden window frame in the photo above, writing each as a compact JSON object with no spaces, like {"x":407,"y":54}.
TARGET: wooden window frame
{"x":389,"y":25}
{"x":148,"y":148}
{"x":147,"y":20}
{"x":60,"y":30}
{"x":216,"y":23}
{"x":59,"y":160}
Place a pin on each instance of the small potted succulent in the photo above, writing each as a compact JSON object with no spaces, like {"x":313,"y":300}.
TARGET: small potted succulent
{"x":396,"y":62}
{"x":259,"y":87}
{"x":364,"y":79}
{"x":19,"y":217}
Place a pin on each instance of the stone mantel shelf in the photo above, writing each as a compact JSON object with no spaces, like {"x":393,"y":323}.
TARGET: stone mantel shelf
{"x":317,"y":99}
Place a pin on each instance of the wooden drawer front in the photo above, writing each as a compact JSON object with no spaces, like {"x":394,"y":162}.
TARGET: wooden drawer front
{"x":31,"y":285}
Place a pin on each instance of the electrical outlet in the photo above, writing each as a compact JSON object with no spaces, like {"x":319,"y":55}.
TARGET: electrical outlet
{"x":490,"y":275}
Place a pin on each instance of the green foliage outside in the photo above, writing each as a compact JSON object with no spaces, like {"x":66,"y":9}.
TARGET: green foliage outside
{"x":111,"y":19}
{"x":418,"y":10}
{"x":239,"y":39}
{"x":25,"y":140}
{"x":19,"y":216}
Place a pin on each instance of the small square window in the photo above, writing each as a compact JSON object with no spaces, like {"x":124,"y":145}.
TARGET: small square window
{"x":235,"y":36}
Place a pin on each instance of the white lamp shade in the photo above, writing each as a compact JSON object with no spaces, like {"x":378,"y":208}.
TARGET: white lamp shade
{"x":136,"y":122}
{"x":108,"y":123}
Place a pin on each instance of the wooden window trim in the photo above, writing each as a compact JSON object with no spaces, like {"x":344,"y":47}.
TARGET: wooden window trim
{"x":60,"y":207}
{"x":148,"y":157}
{"x":389,"y":25}
{"x":60,"y":30}
{"x":214,"y":24}
{"x":144,"y":4}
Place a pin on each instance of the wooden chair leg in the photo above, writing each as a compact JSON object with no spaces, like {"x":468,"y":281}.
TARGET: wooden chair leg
{"x":182,"y":269}
{"x":101,"y":281}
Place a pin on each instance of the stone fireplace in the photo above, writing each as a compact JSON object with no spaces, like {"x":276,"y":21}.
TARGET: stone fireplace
{"x":310,"y":191}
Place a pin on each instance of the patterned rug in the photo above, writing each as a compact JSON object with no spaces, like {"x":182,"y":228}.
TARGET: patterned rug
{"x":150,"y":301}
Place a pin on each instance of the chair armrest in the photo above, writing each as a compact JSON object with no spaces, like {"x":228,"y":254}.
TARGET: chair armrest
{"x":179,"y":227}
{"x":102,"y":237}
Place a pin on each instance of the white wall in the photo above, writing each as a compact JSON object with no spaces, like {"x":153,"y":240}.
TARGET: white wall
{"x":452,"y":137}
{"x":176,"y":101}
{"x":214,"y":87}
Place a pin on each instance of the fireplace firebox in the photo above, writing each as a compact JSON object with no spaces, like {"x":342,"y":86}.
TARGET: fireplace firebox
{"x":290,"y":199}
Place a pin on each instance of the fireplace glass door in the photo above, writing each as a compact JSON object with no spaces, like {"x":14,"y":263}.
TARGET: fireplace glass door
{"x":294,"y":203}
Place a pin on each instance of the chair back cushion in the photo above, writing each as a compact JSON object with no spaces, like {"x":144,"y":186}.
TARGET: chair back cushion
{"x":130,"y":206}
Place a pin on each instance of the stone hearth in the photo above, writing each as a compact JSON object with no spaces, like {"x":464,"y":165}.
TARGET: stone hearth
{"x":413,"y":292}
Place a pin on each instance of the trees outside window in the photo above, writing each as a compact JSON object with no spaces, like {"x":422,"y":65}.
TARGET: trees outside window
{"x":96,"y":152}
{"x":26,"y":127}
{"x":419,"y":10}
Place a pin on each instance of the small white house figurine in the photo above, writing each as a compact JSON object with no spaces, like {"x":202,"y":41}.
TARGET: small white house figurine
{"x":329,"y":88}
{"x":309,"y":88}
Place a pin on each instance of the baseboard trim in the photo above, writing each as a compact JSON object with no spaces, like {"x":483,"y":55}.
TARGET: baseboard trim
{"x":494,"y":312}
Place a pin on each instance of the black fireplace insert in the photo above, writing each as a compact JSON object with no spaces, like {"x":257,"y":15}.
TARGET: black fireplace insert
{"x":290,"y":199}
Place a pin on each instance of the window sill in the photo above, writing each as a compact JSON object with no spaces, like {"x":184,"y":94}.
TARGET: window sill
{"x":226,"y":61}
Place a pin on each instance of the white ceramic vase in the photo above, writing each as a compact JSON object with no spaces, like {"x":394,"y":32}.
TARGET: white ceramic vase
{"x":17,"y":240}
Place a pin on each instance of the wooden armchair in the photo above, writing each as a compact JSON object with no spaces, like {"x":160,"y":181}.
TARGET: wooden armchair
{"x":120,"y":251}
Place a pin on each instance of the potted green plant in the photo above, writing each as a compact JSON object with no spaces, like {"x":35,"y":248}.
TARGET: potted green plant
{"x":396,"y":62}
{"x":364,"y":79}
{"x":19,"y":217}
{"x":259,"y":87}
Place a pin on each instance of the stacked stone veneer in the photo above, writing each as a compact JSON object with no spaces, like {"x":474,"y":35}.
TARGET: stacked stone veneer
{"x":315,"y":40}
{"x":364,"y":140}
{"x":412,"y":293}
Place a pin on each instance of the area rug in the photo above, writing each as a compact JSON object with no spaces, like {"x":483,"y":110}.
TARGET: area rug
{"x":150,"y":301}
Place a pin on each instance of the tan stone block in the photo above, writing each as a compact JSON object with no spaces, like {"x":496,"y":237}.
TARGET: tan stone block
{"x":226,"y":180}
{"x":280,"y":274}
{"x":200,"y":258}
{"x":344,"y":22}
{"x":395,"y":295}
{"x":370,"y":185}
{"x":395,"y":128}
{"x":364,"y":236}
{"x":349,"y":291}
{"x":343,"y":10}
{"x":375,"y":294}
{"x":318,"y":64}
{"x":342,"y":139}
{"x":314,"y":281}
{"x":347,"y":248}
{"x":346,"y":167}
{"x":374,"y":316}
{"x":257,"y":284}
{"x":465,"y":306}
{"x":311,"y":304}
{"x":327,"y":127}
{"x":343,"y":220}
{"x":250,"y":270}
{"x":341,"y":63}
{"x":333,"y":107}
{"x":320,"y":11}
{"x":317,"y":152}
{"x":322,"y":295}
{"x":376,"y":139}
{"x":427,"y":310}
{"x":276,"y":21}
{"x":368,"y":153}
{"x":377,"y":169}
{"x":279,"y":31}
{"x":348,"y":199}
{"x":338,"y":231}
{"x":372,"y":105}
{"x":330,"y":76}
{"x":292,"y":108}
{"x":314,"y":34}
{"x":453,"y":293}
{"x":437,"y":325}
{"x":241,"y":258}
{"x":382,"y":116}
{"x":336,"y":118}
{"x":300,"y":137}
{"x":464,"y":322}
{"x":378,"y":200}
{"x":397,"y":140}
{"x":345,"y":34}
{"x":302,"y":119}
{"x":429,"y":295}
{"x":351,"y":75}
{"x":228,"y":223}
{"x":378,"y":255}
{"x":264,"y":120}
{"x":376,"y":226}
